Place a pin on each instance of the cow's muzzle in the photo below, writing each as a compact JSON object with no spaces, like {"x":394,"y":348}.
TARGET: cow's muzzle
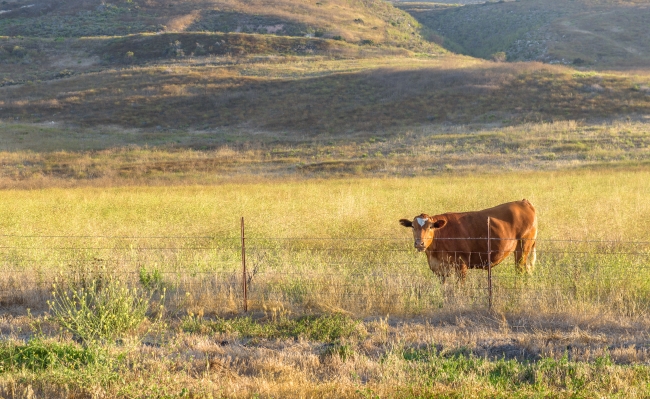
{"x":419,"y":246}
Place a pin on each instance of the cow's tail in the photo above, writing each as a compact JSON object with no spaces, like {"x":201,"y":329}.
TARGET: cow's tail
{"x":532,"y":257}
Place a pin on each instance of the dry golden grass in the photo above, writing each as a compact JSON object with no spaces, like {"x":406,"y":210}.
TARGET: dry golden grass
{"x":385,"y":357}
{"x":89,"y":231}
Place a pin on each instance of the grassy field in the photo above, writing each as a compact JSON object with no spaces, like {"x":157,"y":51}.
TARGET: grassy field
{"x":396,"y":324}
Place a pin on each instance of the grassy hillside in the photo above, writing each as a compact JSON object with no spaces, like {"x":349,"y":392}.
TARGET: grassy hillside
{"x":322,"y":96}
{"x":357,"y":21}
{"x":215,"y":118}
{"x":605,"y":33}
{"x":34,"y":60}
{"x":44,"y":40}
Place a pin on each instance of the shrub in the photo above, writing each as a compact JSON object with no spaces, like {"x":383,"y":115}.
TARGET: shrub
{"x":18,"y":51}
{"x":499,"y":56}
{"x":175,"y":49}
{"x":103,"y":311}
{"x":200,"y":49}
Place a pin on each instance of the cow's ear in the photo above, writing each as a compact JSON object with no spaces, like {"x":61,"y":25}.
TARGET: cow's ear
{"x":406,"y":223}
{"x":439,"y":223}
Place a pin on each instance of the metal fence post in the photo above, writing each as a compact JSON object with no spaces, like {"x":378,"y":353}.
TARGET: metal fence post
{"x":243,"y":265}
{"x":489,"y":265}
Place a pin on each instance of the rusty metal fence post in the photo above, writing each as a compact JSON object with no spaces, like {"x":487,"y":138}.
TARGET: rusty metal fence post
{"x":243,"y":265}
{"x":489,"y":265}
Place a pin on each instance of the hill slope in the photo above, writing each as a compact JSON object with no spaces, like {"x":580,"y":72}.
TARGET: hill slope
{"x":337,"y":97}
{"x":603,"y":33}
{"x":280,"y":86}
{"x":367,"y":21}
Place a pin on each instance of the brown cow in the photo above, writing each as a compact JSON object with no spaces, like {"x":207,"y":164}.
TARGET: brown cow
{"x":458,"y":241}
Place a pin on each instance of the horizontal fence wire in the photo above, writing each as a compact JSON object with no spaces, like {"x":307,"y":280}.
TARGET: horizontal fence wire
{"x":291,"y":268}
{"x":315,"y":238}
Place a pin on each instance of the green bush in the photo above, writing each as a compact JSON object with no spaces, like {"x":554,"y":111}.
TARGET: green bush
{"x":103,"y":311}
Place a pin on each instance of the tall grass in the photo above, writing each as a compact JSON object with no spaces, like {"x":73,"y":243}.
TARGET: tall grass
{"x":331,"y":245}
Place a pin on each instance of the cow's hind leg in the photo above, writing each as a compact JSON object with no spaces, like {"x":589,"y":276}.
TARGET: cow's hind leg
{"x":525,"y":255}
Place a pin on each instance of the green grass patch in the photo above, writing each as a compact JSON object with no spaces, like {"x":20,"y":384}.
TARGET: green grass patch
{"x":38,"y":355}
{"x":545,"y":377}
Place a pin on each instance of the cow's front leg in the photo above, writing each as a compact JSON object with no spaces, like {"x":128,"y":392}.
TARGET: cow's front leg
{"x":438,"y":266}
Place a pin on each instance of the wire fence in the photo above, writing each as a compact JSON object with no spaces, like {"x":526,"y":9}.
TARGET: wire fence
{"x":364,"y":275}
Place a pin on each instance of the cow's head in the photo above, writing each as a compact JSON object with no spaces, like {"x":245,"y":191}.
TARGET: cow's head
{"x":424,"y":227}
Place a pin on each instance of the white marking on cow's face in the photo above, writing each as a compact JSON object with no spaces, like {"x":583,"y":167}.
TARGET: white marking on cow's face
{"x":421,"y":221}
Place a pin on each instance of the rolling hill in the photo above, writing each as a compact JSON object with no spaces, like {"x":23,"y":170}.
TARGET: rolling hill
{"x":357,"y":21}
{"x":314,"y":88}
{"x":336,"y":97}
{"x":601,"y":33}
{"x":44,"y":40}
